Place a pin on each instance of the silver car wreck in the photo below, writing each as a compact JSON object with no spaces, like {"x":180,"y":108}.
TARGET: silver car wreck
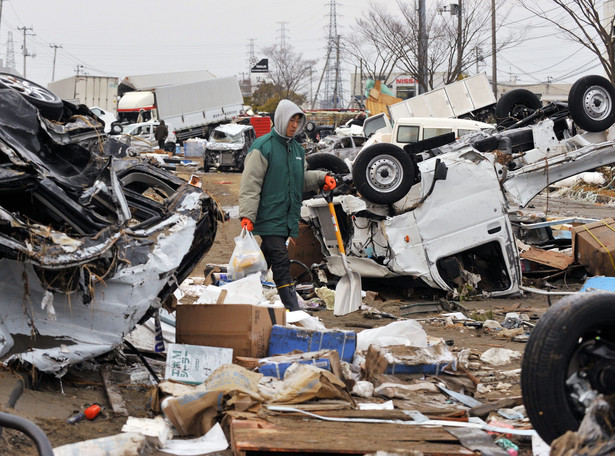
{"x":438,"y":210}
{"x":89,"y":243}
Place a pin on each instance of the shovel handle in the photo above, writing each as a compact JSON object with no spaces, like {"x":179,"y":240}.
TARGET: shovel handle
{"x":338,"y":235}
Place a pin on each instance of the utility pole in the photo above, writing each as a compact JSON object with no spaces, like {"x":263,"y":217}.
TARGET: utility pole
{"x":459,"y":35}
{"x":1,"y":2}
{"x":25,"y":49}
{"x":337,"y":72}
{"x":422,"y":48}
{"x":494,"y":67}
{"x":55,"y":50}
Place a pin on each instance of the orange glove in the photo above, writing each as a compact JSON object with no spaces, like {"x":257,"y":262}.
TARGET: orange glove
{"x":330,"y":184}
{"x":247,"y":224}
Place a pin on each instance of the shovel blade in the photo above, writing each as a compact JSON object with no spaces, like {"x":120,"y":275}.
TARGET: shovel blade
{"x":347,"y":294}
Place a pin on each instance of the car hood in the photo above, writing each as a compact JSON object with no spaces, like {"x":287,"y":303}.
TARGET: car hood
{"x":224,"y":146}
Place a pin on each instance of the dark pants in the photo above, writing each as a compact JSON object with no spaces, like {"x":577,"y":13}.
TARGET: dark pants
{"x":275,"y":252}
{"x":161,"y":144}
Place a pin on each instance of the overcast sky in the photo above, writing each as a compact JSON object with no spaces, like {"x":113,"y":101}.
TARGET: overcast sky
{"x":129,"y":37}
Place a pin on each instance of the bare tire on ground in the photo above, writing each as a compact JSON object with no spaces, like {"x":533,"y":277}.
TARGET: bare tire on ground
{"x":516,"y":105}
{"x":567,"y":361}
{"x":591,"y":103}
{"x":383,"y":173}
{"x":47,"y":102}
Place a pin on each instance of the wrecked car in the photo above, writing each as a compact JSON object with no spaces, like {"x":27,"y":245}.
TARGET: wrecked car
{"x":141,"y":136}
{"x":438,"y":210}
{"x":228,"y":146}
{"x":343,"y":146}
{"x":90,"y":243}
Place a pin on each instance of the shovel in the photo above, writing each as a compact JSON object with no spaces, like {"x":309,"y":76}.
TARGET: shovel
{"x":348,"y":288}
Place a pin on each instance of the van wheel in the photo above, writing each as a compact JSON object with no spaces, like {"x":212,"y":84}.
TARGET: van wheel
{"x":590,"y":102}
{"x":48,"y":103}
{"x":516,"y":105}
{"x":383,"y":173}
{"x":169,"y":147}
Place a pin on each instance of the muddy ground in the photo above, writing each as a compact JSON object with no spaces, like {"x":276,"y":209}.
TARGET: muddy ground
{"x":51,"y":401}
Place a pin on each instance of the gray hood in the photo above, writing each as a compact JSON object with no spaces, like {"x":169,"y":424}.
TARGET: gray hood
{"x":283,"y":113}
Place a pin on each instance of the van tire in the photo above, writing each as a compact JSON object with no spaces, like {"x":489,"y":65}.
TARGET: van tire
{"x":48,"y":103}
{"x":591,"y":103}
{"x":516,"y":105}
{"x":169,"y":147}
{"x":383,"y":173}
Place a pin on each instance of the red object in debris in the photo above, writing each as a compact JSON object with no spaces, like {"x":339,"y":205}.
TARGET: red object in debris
{"x":92,"y":411}
{"x":262,"y":125}
{"x":224,"y":182}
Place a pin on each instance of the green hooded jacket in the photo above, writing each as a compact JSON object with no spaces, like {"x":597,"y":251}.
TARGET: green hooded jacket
{"x":275,"y":177}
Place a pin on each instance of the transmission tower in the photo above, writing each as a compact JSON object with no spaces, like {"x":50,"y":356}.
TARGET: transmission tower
{"x":333,"y":94}
{"x":283,"y":34}
{"x":10,"y":52}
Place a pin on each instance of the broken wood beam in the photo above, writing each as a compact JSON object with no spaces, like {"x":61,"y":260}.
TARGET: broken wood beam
{"x":113,"y":392}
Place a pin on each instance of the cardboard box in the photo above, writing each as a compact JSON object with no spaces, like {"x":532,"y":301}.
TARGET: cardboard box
{"x":593,"y":245}
{"x":243,"y":327}
{"x":286,"y":339}
{"x":403,"y":359}
{"x":278,"y":369}
{"x":192,"y":364}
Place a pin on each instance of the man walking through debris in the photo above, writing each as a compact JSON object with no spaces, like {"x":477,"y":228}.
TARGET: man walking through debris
{"x":272,"y":184}
{"x":160,"y":133}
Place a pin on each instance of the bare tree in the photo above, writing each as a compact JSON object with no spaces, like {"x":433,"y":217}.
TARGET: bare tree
{"x":365,"y":46}
{"x":589,"y":28}
{"x":397,"y":34}
{"x":289,"y":72}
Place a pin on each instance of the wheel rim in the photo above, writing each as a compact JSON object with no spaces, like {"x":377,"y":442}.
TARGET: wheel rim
{"x":384,"y":173}
{"x":584,"y":369}
{"x":597,"y":103}
{"x":27,"y":88}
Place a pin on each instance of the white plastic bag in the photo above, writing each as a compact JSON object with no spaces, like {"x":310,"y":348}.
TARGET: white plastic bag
{"x":247,"y":258}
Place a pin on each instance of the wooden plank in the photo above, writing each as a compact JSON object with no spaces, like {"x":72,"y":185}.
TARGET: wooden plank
{"x":548,"y":257}
{"x":113,"y":392}
{"x":301,"y":435}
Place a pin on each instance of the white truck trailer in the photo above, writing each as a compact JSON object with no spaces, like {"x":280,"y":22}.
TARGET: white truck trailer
{"x":91,"y":91}
{"x":192,"y":108}
{"x":470,"y":97}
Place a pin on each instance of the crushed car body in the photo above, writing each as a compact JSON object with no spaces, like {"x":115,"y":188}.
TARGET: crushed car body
{"x":89,"y":242}
{"x":438,"y":210}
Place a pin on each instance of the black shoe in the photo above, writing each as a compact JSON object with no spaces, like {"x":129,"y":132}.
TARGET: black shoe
{"x":289,"y":297}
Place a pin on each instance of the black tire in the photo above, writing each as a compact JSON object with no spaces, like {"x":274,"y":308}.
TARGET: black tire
{"x":327,"y":162}
{"x":310,"y":126}
{"x":591,"y":103}
{"x":555,"y":351}
{"x":516,"y":105}
{"x":383,"y":173}
{"x":169,"y":147}
{"x":47,"y":102}
{"x":324,"y":162}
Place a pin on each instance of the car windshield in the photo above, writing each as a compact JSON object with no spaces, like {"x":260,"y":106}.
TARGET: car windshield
{"x":219,"y":136}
